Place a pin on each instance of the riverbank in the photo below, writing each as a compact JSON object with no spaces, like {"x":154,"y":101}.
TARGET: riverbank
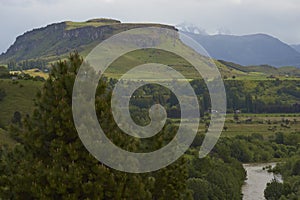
{"x":257,"y":179}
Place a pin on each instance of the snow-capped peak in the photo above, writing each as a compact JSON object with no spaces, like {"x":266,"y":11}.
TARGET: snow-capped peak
{"x":191,"y":28}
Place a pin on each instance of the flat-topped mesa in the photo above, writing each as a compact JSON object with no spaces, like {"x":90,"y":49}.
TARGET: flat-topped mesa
{"x":57,"y":40}
{"x":104,"y":20}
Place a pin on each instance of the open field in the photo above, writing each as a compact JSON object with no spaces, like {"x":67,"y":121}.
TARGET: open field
{"x":265,"y":124}
{"x":266,"y":130}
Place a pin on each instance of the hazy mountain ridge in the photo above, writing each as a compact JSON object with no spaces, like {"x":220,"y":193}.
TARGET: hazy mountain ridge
{"x":296,"y":47}
{"x":255,"y":49}
{"x":265,"y":69}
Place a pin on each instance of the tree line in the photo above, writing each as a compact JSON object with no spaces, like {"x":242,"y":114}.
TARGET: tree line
{"x":27,"y":64}
{"x":248,"y":97}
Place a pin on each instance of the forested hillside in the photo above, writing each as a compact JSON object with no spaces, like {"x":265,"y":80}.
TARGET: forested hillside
{"x":43,"y":157}
{"x":53,"y":163}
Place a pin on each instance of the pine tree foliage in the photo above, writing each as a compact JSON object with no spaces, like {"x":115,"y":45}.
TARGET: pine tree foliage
{"x":50,"y":161}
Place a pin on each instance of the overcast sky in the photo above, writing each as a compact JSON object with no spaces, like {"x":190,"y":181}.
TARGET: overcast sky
{"x":279,"y":18}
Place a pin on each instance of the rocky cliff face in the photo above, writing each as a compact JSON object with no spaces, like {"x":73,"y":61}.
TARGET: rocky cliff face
{"x":56,"y":40}
{"x":34,"y":40}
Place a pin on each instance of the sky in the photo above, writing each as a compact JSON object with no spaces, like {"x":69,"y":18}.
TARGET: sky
{"x":279,"y":18}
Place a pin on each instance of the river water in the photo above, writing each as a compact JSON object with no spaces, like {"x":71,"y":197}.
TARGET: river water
{"x":257,"y":179}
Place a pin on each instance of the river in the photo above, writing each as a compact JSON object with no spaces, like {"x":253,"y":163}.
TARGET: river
{"x":257,"y":179}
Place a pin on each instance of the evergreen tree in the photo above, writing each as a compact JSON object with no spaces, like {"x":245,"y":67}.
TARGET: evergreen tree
{"x":51,"y":162}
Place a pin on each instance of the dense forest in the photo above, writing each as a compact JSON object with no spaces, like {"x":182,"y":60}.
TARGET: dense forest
{"x":273,"y":96}
{"x":27,"y":64}
{"x":290,"y":171}
{"x":50,"y":162}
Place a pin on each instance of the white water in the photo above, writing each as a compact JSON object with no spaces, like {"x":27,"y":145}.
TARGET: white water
{"x":257,"y":180}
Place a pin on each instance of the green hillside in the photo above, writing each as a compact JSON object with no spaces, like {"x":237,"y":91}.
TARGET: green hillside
{"x":139,"y":57}
{"x":19,"y":97}
{"x":229,"y":71}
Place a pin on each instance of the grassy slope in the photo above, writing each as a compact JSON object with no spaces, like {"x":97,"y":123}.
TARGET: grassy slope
{"x":19,"y":97}
{"x":135,"y":58}
{"x":129,"y":60}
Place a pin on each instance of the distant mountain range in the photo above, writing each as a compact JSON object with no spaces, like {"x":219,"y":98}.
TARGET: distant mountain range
{"x":247,"y":50}
{"x":57,"y":40}
{"x":296,"y":47}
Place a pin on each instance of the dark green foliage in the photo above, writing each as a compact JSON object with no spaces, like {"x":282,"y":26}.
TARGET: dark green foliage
{"x":4,"y":72}
{"x":51,"y":162}
{"x":214,"y":178}
{"x":279,"y":138}
{"x":255,"y":148}
{"x":290,"y":171}
{"x":240,"y":151}
{"x":2,"y":94}
{"x":17,"y":118}
{"x":296,"y":168}
{"x":246,"y":96}
{"x":200,"y":187}
{"x":249,"y":103}
{"x":27,"y":64}
{"x":38,"y":78}
{"x":217,"y":176}
{"x":274,"y":190}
